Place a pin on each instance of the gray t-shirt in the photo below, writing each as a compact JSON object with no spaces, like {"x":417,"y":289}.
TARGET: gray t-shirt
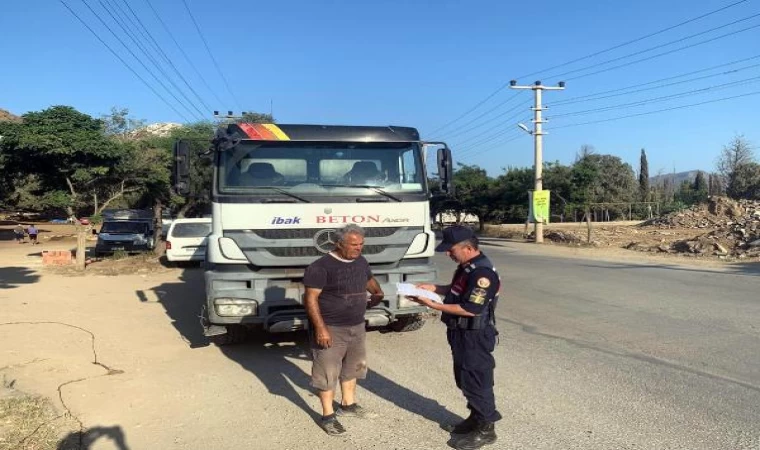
{"x":343,"y":300}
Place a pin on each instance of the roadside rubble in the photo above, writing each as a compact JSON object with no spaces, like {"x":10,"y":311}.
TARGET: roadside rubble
{"x":734,"y":229}
{"x":721,"y":228}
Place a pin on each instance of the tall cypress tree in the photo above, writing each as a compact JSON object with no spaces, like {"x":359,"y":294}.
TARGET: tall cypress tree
{"x":644,"y":177}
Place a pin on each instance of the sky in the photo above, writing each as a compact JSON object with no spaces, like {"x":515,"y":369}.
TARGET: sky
{"x":413,"y":63}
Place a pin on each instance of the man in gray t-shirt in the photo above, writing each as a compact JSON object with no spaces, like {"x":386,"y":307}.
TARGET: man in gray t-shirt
{"x":336,"y":300}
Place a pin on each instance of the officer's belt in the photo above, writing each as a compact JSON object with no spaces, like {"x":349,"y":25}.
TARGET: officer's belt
{"x":467,"y":323}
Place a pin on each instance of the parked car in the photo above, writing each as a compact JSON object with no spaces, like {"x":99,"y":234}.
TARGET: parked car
{"x":186,"y":239}
{"x":127,"y":235}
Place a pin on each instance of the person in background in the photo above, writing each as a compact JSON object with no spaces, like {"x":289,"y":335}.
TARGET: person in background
{"x":18,"y":232}
{"x":32,"y":231}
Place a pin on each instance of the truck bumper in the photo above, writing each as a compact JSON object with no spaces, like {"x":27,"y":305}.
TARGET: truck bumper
{"x":276,"y":295}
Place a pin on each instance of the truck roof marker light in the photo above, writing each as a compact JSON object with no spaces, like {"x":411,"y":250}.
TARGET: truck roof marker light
{"x":263,"y":132}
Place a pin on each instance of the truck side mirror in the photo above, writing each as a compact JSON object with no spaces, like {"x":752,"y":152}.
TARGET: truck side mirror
{"x":446,"y":170}
{"x":181,"y":173}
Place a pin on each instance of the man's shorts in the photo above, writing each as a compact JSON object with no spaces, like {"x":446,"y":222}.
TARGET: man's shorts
{"x":346,"y":359}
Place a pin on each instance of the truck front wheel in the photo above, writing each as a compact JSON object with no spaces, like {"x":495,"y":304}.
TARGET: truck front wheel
{"x":407,"y":323}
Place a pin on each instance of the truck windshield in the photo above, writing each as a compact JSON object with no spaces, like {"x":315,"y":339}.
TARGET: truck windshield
{"x":322,"y":167}
{"x":124,"y":227}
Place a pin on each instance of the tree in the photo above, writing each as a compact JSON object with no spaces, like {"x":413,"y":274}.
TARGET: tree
{"x":68,"y":152}
{"x":733,"y":156}
{"x":254,"y":117}
{"x":474,"y":192}
{"x":119,"y":125}
{"x":511,"y":194}
{"x":558,"y":180}
{"x":584,"y":177}
{"x":699,"y":188}
{"x":715,"y":185}
{"x":644,"y":177}
{"x":746,"y":183}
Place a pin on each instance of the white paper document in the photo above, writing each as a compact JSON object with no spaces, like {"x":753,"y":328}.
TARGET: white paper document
{"x":410,"y":290}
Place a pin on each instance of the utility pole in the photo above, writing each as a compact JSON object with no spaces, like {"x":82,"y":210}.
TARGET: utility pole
{"x":538,"y":140}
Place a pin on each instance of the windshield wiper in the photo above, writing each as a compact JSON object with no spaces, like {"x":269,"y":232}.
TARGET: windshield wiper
{"x":284,"y":192}
{"x":367,"y":186}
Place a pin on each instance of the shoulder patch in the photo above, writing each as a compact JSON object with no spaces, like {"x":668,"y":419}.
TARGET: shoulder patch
{"x":483,"y":282}
{"x":478,"y":296}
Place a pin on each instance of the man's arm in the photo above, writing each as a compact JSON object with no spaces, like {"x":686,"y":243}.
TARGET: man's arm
{"x":373,"y":287}
{"x":311,"y":302}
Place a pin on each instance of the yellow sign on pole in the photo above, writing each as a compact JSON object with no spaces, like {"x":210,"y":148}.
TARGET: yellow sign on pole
{"x":539,"y":207}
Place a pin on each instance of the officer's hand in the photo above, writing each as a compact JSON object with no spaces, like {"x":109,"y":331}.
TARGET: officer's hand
{"x":420,"y":300}
{"x":427,"y":287}
{"x":323,"y":337}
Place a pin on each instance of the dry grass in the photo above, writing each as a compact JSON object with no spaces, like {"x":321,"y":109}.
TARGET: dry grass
{"x":117,"y":264}
{"x":28,"y":422}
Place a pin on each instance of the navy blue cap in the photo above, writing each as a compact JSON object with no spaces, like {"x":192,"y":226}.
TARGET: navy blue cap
{"x":454,"y":235}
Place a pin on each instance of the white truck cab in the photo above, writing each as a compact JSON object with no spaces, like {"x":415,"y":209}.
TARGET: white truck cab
{"x":280,"y":192}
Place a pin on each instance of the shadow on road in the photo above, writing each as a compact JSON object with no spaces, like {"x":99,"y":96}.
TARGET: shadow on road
{"x":13,"y":277}
{"x":274,"y":358}
{"x":86,"y":440}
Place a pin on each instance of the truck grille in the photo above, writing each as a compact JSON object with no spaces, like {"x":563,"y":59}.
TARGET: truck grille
{"x":294,"y":252}
{"x":308,"y":233}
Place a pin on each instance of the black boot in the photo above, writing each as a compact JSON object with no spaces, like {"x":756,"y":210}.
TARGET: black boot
{"x":484,"y":434}
{"x":466,"y":426}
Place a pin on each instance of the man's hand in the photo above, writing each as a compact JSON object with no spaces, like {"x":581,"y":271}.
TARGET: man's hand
{"x":427,"y":287}
{"x":323,"y":337}
{"x":375,"y":300}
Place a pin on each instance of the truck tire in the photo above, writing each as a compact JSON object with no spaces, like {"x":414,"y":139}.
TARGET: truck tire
{"x":407,"y":323}
{"x":236,"y":334}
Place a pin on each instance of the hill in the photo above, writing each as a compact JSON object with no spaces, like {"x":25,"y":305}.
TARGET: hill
{"x":678,"y":177}
{"x":8,"y":116}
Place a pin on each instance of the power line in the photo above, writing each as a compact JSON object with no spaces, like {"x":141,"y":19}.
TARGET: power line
{"x":139,"y":77}
{"x":187,"y":58}
{"x":562,"y":75}
{"x":484,"y":114}
{"x":133,"y":55}
{"x":512,"y":138}
{"x":624,"y":44}
{"x":488,"y":139}
{"x":508,"y":121}
{"x":166,"y":57}
{"x":211,"y":55}
{"x":664,"y":53}
{"x":505,"y":85}
{"x":485,"y":122}
{"x":601,"y":95}
{"x":658,"y":111}
{"x":132,"y":36}
{"x":662,"y":98}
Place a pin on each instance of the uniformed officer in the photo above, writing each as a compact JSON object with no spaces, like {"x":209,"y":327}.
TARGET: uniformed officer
{"x":468,"y":312}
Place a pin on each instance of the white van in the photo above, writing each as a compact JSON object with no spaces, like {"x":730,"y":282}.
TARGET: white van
{"x":186,"y":239}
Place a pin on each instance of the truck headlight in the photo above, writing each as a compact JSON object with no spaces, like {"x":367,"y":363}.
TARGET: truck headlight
{"x":235,"y":307}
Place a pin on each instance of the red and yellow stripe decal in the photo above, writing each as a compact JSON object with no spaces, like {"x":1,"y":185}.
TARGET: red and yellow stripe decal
{"x":263,"y":132}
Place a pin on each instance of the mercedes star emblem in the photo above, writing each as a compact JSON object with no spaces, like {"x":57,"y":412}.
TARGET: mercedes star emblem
{"x":324,"y":241}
